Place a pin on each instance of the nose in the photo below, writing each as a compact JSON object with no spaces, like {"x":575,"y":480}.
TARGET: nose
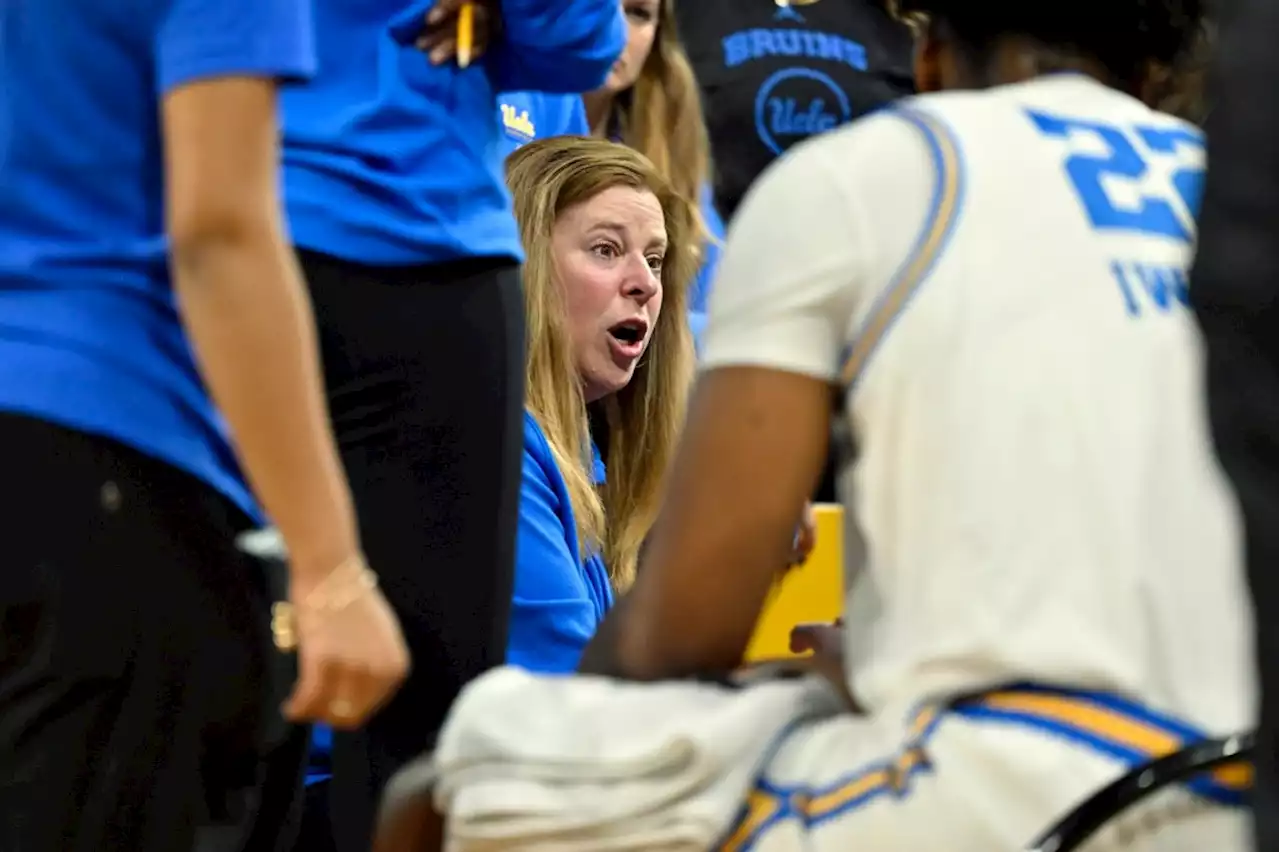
{"x":641,"y":282}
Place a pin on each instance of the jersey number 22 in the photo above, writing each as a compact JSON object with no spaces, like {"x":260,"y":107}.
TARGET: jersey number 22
{"x":1154,"y":214}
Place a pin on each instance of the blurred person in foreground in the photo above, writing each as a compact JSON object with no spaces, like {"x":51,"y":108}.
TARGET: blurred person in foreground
{"x":610,"y":249}
{"x":1044,"y":585}
{"x":403,"y":226}
{"x":1233,"y":290}
{"x":1018,"y":390}
{"x":156,"y":339}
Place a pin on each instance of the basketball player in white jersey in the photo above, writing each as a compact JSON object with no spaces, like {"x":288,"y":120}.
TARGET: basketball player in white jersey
{"x":986,"y":288}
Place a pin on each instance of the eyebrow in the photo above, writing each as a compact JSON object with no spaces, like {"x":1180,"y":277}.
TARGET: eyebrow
{"x":620,"y":229}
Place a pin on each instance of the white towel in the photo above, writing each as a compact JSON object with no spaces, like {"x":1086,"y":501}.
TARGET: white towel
{"x":529,"y":762}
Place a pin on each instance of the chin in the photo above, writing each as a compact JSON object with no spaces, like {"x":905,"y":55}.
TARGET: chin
{"x":602,"y":386}
{"x":616,"y":83}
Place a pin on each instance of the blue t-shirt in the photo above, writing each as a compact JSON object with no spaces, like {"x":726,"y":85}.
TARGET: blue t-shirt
{"x":389,"y":159}
{"x":89,"y":333}
{"x":559,"y":597}
{"x":700,"y":289}
{"x":526,"y":116}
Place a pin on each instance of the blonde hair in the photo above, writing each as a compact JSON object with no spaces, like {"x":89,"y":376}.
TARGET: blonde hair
{"x":661,"y":115}
{"x":546,"y":178}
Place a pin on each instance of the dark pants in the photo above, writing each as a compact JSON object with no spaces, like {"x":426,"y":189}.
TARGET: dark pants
{"x":316,"y":832}
{"x":424,"y":368}
{"x":139,"y":690}
{"x":1233,"y":289}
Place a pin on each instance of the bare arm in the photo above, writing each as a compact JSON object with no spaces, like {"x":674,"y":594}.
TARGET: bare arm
{"x":247,"y":314}
{"x":249,"y":320}
{"x":727,"y":524}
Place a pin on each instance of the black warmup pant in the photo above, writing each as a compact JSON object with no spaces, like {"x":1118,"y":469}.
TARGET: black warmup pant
{"x":424,"y":367}
{"x":1233,"y":290}
{"x":139,"y":691}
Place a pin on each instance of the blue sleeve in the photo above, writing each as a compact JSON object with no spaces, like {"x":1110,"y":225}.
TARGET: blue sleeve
{"x":213,"y":38}
{"x":557,"y":45}
{"x":552,"y":615}
{"x":700,"y":290}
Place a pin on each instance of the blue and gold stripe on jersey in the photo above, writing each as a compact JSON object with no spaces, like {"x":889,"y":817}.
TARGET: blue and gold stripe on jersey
{"x":940,"y":223}
{"x":1116,"y":727}
{"x":769,"y":804}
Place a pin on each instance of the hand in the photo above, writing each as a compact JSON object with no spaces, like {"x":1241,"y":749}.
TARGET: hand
{"x":351,"y":656}
{"x":806,"y":536}
{"x":826,"y":640}
{"x":440,"y":38}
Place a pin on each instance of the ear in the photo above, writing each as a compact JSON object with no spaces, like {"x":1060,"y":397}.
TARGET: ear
{"x":927,"y":63}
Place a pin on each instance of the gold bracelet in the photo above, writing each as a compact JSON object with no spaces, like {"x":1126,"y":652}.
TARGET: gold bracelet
{"x":342,"y":597}
{"x":349,"y":589}
{"x":284,"y":617}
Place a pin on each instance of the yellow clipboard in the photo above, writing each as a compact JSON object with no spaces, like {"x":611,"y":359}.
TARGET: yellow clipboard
{"x":813,"y":591}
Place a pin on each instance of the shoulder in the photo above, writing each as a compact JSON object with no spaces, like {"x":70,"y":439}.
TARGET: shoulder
{"x":537,"y":450}
{"x":885,"y":142}
{"x":848,"y":178}
{"x":539,"y":115}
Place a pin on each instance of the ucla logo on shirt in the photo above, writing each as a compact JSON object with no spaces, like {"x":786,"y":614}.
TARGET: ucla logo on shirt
{"x":517,"y":124}
{"x":798,"y":102}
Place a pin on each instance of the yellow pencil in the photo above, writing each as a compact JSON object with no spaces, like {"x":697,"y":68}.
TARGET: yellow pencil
{"x":466,"y":33}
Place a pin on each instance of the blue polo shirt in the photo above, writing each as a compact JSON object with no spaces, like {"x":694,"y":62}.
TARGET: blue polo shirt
{"x":390,"y":160}
{"x":525,"y":116}
{"x":89,"y":333}
{"x":560,"y":598}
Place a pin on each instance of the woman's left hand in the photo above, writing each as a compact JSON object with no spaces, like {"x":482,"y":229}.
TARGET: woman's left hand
{"x":440,"y":38}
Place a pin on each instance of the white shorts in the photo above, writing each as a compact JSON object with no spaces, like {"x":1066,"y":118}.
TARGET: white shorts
{"x":989,"y":775}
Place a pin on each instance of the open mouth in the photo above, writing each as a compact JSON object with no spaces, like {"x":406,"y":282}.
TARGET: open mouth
{"x":629,"y":332}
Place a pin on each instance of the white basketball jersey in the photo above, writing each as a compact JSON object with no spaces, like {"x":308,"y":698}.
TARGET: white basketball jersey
{"x":998,"y":282}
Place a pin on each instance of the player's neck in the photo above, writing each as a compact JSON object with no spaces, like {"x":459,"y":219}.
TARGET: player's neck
{"x":1018,"y":60}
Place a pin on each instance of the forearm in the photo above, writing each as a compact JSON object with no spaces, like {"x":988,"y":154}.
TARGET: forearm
{"x":249,"y":320}
{"x":603,"y":656}
{"x":620,"y":650}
